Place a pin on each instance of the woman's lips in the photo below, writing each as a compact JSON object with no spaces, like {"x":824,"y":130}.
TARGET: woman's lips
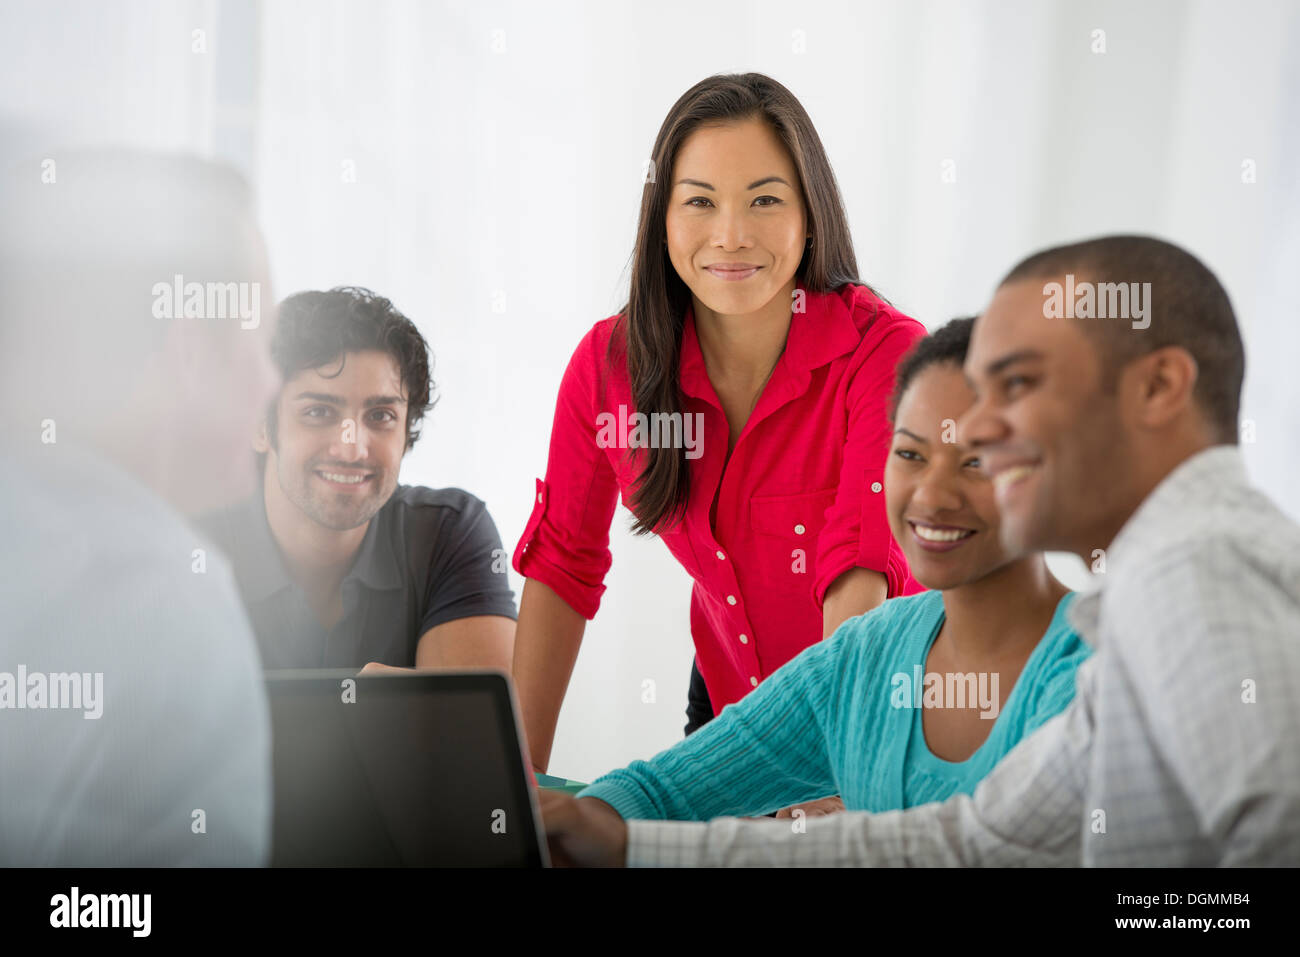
{"x":943,"y":538}
{"x":733,"y":273}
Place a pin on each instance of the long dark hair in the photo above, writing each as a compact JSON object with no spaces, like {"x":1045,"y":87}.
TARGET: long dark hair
{"x":650,"y":324}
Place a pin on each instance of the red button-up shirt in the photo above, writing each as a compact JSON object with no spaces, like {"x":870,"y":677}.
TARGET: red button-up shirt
{"x":801,"y":498}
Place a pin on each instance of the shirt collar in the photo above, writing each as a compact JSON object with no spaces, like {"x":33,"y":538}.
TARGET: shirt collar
{"x":376,"y":564}
{"x":1196,"y":479}
{"x":1083,"y":615}
{"x":823,"y":331}
{"x":262,"y":573}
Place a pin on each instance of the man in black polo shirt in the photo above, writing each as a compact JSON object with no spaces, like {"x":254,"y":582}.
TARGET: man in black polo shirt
{"x":337,"y":564}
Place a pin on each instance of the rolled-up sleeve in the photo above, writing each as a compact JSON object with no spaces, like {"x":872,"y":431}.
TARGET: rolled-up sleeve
{"x":856,"y":533}
{"x":565,"y":544}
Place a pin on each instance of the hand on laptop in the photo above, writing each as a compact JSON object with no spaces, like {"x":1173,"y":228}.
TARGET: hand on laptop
{"x":583,"y":832}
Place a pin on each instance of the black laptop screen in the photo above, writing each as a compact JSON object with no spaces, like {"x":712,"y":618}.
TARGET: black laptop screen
{"x":398,"y":770}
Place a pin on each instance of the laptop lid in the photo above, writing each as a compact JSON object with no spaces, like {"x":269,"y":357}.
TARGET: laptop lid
{"x":411,"y":769}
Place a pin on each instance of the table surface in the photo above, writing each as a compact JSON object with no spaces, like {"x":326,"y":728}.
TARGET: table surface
{"x":549,"y":782}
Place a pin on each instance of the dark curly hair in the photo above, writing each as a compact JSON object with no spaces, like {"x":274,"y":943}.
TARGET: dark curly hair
{"x":317,"y":328}
{"x":947,"y":344}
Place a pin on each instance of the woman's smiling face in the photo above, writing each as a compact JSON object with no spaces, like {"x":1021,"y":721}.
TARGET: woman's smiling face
{"x":736,"y":225}
{"x":941,"y":507}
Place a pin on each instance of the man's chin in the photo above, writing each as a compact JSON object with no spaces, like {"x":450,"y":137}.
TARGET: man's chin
{"x":344,"y":519}
{"x":1020,"y":535}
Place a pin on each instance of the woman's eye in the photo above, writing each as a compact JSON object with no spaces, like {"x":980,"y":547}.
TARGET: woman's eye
{"x":973,"y":463}
{"x":694,"y":201}
{"x":908,"y":455}
{"x":316,"y":412}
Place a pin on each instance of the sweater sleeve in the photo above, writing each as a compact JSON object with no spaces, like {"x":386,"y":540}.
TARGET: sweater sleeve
{"x":765,"y":752}
{"x":1057,"y":685}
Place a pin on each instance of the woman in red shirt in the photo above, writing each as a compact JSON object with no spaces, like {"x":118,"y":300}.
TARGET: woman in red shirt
{"x":737,"y":402}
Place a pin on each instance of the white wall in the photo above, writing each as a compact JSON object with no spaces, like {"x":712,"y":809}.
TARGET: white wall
{"x":505,"y":168}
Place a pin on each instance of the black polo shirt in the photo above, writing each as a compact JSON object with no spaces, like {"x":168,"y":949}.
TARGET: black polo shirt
{"x":429,"y":556}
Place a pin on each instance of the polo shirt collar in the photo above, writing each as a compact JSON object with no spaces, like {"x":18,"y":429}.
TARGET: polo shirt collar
{"x":263,"y":573}
{"x":823,"y":331}
{"x":376,"y":565}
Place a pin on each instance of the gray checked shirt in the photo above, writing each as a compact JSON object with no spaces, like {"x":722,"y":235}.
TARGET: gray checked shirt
{"x":1181,"y":747}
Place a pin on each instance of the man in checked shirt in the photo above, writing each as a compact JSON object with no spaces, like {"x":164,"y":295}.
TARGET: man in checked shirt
{"x":1115,"y":440}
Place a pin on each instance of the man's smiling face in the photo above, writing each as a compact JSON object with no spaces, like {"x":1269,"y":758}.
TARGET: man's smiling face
{"x":340,"y":438}
{"x":1051,"y":438}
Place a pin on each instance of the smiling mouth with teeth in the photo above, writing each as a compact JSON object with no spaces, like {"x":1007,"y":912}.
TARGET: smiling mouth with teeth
{"x":342,"y":479}
{"x":941,"y":534}
{"x":1008,"y":477}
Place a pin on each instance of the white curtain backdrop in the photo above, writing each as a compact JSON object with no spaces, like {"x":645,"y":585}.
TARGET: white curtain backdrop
{"x":481,"y":164}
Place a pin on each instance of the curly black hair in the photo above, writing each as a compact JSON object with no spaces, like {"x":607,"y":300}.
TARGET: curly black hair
{"x":317,"y":328}
{"x":947,"y":344}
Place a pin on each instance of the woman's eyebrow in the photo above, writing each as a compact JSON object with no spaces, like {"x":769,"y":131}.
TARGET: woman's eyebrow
{"x":912,"y":435}
{"x":754,"y":185}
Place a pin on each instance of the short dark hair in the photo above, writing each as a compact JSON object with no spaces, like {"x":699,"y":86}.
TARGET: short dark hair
{"x":316,"y":328}
{"x":1189,"y":308}
{"x":947,"y":344}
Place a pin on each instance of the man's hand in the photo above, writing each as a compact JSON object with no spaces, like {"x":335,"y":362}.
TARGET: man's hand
{"x":819,"y":808}
{"x":582,"y":832}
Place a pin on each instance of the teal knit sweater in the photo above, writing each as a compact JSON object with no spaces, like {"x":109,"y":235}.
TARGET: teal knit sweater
{"x":844,"y":717}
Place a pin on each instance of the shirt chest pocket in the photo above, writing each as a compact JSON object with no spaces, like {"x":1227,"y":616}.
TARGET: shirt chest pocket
{"x":796,"y":519}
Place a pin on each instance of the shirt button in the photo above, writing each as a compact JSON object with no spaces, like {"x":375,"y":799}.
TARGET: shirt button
{"x":875,"y":486}
{"x":721,"y":557}
{"x":753,"y":681}
{"x":731,"y":599}
{"x":744,"y":639}
{"x":799,"y":529}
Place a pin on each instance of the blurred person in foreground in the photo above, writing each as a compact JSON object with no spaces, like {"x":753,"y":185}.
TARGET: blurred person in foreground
{"x":136,"y":304}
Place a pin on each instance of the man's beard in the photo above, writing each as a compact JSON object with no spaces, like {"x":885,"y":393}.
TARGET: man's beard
{"x":339,"y":511}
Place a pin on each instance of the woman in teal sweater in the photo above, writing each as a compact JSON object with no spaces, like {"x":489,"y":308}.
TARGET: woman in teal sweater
{"x":915,"y":700}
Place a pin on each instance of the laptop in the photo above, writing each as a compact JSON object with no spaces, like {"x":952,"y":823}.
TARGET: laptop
{"x":392,"y":770}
